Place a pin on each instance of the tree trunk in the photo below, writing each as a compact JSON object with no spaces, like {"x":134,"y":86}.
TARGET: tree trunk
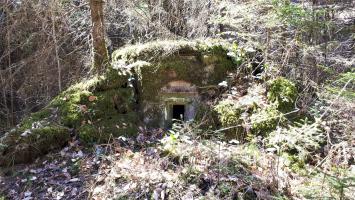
{"x":98,"y":34}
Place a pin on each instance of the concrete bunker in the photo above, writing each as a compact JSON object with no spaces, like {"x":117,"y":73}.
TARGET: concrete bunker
{"x":171,"y":79}
{"x":173,"y":88}
{"x":180,"y":99}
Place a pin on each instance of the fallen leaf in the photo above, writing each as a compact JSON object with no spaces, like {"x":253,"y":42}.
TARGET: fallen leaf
{"x":83,"y":108}
{"x":28,"y":193}
{"x":92,"y":98}
{"x":74,"y":180}
{"x":80,"y":154}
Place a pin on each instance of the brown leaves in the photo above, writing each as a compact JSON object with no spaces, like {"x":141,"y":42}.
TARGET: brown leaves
{"x":83,"y":108}
{"x":92,"y":98}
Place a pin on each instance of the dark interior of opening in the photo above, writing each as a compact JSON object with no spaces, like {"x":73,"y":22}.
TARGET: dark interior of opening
{"x":179,"y":112}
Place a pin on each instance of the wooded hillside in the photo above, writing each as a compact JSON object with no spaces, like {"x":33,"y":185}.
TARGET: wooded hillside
{"x":177,"y":99}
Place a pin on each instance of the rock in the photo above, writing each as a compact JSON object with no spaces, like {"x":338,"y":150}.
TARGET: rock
{"x":20,"y":149}
{"x":249,"y":194}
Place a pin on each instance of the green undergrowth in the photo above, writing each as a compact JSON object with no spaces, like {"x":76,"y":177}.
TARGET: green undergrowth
{"x":298,"y":142}
{"x":343,"y":83}
{"x":260,"y":111}
{"x":282,"y":93}
{"x":265,"y":120}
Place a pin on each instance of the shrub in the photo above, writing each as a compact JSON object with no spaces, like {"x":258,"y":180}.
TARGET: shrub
{"x":266,"y":120}
{"x":282,"y":93}
{"x":228,"y":113}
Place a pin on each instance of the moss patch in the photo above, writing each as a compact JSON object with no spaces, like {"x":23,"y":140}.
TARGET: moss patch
{"x":156,"y":50}
{"x":21,"y":148}
{"x":229,"y":113}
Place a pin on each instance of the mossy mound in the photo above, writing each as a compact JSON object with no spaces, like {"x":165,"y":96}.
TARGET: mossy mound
{"x":95,"y":109}
{"x":158,"y":50}
{"x":21,"y":147}
{"x":108,"y":105}
{"x":154,"y":65}
{"x":265,"y":120}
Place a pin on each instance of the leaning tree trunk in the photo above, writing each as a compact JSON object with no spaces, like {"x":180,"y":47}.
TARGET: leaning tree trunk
{"x":98,"y":34}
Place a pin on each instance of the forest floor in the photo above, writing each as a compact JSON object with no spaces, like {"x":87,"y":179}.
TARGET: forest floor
{"x":139,"y":168}
{"x":156,"y":167}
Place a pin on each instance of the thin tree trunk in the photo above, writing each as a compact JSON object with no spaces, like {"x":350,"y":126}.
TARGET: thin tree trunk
{"x":98,"y":34}
{"x":54,"y":35}
{"x":11,"y":110}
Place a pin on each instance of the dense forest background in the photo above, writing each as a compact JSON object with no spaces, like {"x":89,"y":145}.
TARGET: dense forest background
{"x":47,"y":46}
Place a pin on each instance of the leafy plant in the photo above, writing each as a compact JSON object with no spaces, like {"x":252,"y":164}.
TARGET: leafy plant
{"x":228,"y":113}
{"x":291,"y":14}
{"x":169,"y":142}
{"x":282,"y":93}
{"x":266,"y":120}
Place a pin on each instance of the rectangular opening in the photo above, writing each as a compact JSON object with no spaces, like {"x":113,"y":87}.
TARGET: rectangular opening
{"x":178,"y":112}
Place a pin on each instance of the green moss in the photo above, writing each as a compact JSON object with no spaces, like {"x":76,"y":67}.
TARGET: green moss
{"x":109,"y":110}
{"x":34,"y":117}
{"x":21,"y":148}
{"x":106,"y":110}
{"x":113,"y":79}
{"x":108,"y":127}
{"x":282,"y":93}
{"x":265,"y":120}
{"x":52,"y":135}
{"x":69,"y":104}
{"x":191,"y":69}
{"x":161,"y":49}
{"x":147,"y":50}
{"x":88,"y":133}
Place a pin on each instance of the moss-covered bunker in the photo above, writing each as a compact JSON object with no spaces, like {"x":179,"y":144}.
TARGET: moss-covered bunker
{"x":171,"y":75}
{"x":149,"y":85}
{"x":146,"y":85}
